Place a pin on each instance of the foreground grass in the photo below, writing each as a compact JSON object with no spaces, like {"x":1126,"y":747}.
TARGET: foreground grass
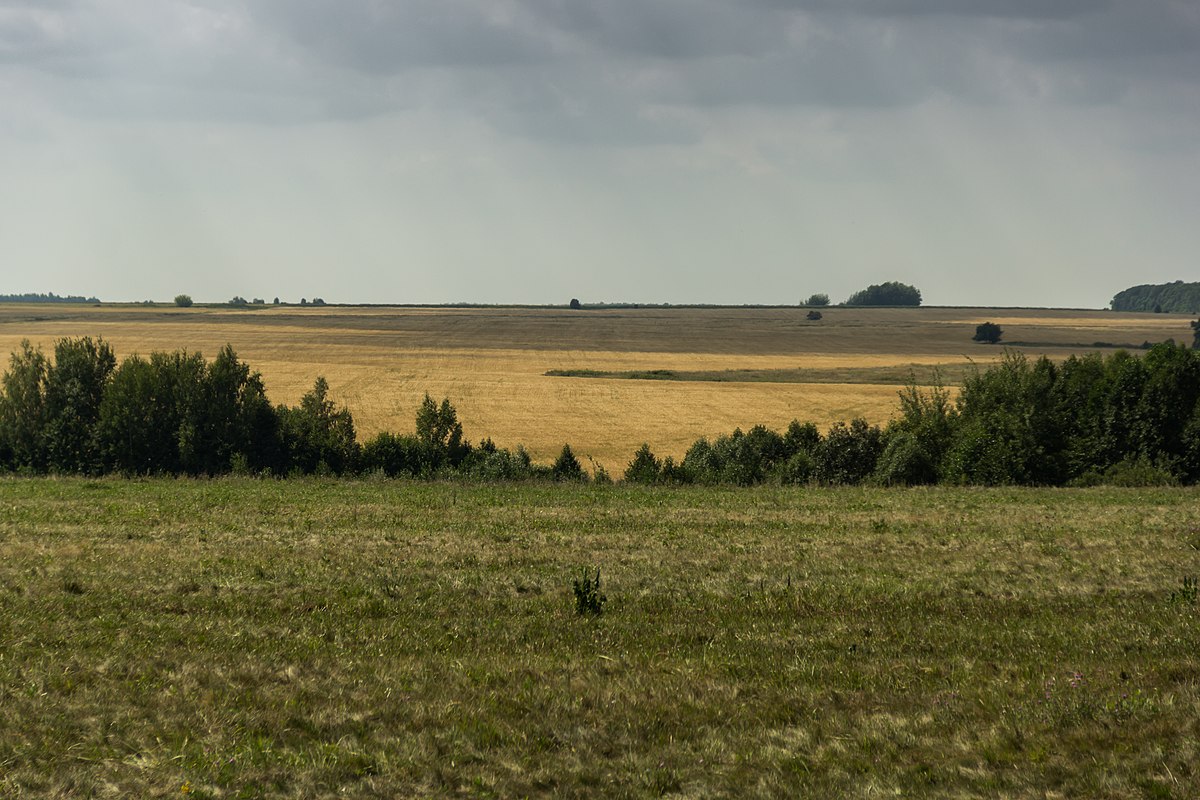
{"x":243,"y":639}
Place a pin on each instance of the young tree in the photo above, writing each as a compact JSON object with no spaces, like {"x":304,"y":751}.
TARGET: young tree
{"x":576,"y":304}
{"x":567,"y":467}
{"x":440,"y":431}
{"x":74,"y":388}
{"x":644,"y":468}
{"x":819,"y":299}
{"x":183,"y":300}
{"x":23,"y":408}
{"x":318,"y":435}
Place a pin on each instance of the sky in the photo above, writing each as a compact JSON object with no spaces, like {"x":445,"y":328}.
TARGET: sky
{"x":989,"y":152}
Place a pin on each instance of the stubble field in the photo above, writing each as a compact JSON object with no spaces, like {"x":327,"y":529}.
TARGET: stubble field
{"x":742,"y":366}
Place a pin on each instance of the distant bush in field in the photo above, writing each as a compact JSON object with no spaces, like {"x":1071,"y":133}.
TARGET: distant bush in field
{"x":813,"y":316}
{"x":183,"y":300}
{"x":819,"y":299}
{"x":988,"y":333}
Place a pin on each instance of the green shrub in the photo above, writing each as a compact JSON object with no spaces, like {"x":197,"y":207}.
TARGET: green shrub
{"x":588,"y":598}
{"x":904,"y":462}
{"x":798,"y":470}
{"x":567,"y":467}
{"x":644,"y":468}
{"x":988,"y":333}
{"x":848,"y":453}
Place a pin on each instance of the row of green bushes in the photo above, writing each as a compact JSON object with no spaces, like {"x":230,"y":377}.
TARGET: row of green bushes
{"x":1092,"y":419}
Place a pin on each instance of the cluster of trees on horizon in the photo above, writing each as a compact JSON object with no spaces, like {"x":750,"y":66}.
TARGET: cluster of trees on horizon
{"x":1092,"y":419}
{"x":1159,"y":298}
{"x":51,"y":297}
{"x":1177,"y":297}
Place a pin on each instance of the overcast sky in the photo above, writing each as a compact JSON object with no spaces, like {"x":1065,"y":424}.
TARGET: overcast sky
{"x":991,"y":152}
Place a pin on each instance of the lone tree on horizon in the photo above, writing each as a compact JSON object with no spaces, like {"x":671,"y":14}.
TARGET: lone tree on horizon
{"x":988,"y":333}
{"x":183,"y":300}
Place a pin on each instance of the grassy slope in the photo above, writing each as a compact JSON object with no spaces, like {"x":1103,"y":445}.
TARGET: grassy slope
{"x":239,"y":639}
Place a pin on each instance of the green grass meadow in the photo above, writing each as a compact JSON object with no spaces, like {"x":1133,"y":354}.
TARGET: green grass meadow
{"x":243,"y":638}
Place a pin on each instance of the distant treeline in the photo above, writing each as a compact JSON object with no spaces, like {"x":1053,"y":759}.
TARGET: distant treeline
{"x":1165,"y":298}
{"x":45,"y":298}
{"x":1118,"y":419}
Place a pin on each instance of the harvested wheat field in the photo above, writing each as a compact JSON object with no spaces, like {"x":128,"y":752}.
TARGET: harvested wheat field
{"x":719,"y":368}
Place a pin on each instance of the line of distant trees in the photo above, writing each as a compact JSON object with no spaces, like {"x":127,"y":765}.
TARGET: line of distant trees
{"x":890,"y":293}
{"x":45,"y":298}
{"x":1119,"y":419}
{"x":1162,"y":298}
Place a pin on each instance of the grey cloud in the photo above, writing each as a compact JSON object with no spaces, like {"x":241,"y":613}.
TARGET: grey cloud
{"x":1000,"y":9}
{"x":669,"y":29}
{"x":589,"y":71}
{"x":386,"y":38}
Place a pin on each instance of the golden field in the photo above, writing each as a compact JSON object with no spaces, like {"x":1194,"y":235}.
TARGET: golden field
{"x":491,"y":362}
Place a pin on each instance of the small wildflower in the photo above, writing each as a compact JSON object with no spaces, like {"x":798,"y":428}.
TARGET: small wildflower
{"x":186,"y":788}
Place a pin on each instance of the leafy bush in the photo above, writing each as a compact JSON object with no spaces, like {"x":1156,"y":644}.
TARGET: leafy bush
{"x":819,"y":299}
{"x":848,"y":453}
{"x":798,"y":470}
{"x":397,"y":455}
{"x":988,"y":333}
{"x":493,"y":464}
{"x":904,"y":462}
{"x":183,"y":300}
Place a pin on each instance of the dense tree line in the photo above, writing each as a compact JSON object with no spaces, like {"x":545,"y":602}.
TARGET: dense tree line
{"x":45,"y":298}
{"x":1092,"y":419}
{"x":1167,"y":298}
{"x":891,"y":293}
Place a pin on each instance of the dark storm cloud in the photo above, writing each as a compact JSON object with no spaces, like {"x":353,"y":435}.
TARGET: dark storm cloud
{"x":595,"y":70}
